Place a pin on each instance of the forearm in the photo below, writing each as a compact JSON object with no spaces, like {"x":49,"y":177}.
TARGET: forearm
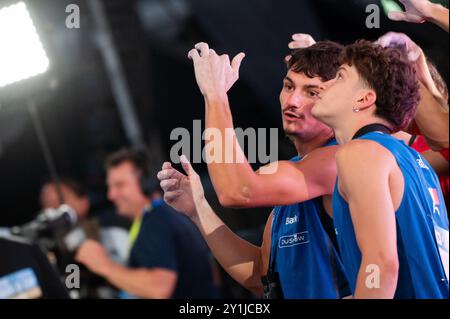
{"x":377,"y":279}
{"x":432,"y":120}
{"x":240,"y":259}
{"x":439,"y":16}
{"x":231,"y":173}
{"x":137,"y":282}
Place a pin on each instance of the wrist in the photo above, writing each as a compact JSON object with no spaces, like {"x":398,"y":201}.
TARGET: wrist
{"x":433,"y":11}
{"x":215,"y":97}
{"x":199,"y":209}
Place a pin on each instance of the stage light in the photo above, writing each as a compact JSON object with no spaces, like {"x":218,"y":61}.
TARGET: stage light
{"x":22,"y":55}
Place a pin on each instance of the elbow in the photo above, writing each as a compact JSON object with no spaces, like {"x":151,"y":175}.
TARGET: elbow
{"x":160,"y":284}
{"x":381,"y":269}
{"x":439,"y":146}
{"x":389,"y":268}
{"x":231,"y":199}
{"x":161,"y":291}
{"x":164,"y":292}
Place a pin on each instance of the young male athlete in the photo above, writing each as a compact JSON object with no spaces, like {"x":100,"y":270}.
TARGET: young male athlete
{"x":298,"y":253}
{"x":389,"y":212}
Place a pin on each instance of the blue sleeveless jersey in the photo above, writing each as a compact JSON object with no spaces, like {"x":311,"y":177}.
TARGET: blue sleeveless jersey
{"x":422,"y":227}
{"x":303,"y":254}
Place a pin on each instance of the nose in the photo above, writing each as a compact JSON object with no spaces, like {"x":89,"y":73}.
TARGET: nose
{"x":294,"y":101}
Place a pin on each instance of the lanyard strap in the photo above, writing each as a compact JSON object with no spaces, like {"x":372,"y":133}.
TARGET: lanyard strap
{"x":136,"y":227}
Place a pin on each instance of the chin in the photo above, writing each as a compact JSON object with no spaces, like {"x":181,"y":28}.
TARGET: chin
{"x":290,"y":130}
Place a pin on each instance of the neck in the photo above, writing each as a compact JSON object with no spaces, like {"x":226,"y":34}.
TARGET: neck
{"x":140,"y":212}
{"x":305,"y":147}
{"x":346,"y":133}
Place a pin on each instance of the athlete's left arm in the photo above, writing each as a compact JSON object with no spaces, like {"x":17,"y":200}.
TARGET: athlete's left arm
{"x":432,"y":119}
{"x":364,"y":171}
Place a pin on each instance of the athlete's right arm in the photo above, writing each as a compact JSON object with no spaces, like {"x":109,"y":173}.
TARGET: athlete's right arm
{"x":244,"y":262}
{"x":419,"y":11}
{"x":236,"y":183}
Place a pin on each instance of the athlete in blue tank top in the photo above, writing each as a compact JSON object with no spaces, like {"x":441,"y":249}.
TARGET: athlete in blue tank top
{"x":304,"y":251}
{"x":421,"y":222}
{"x":298,"y":243}
{"x":388,"y":208}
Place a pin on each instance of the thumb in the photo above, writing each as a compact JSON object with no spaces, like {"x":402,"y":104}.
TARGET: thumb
{"x":403,"y":16}
{"x":397,"y":16}
{"x":187,"y":167}
{"x":237,"y":61}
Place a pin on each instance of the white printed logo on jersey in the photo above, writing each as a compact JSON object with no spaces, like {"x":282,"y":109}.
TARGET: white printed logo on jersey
{"x":294,"y":240}
{"x":422,"y":164}
{"x":292,"y":220}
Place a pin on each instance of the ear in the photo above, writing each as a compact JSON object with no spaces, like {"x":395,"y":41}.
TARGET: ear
{"x":366,"y":99}
{"x":85,"y":204}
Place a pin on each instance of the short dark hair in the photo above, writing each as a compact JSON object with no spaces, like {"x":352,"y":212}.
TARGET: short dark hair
{"x":70,"y":183}
{"x":391,"y":75}
{"x":136,"y":157}
{"x":319,"y":60}
{"x":142,"y":162}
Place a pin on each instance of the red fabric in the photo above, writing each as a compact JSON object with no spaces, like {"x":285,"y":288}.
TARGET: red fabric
{"x":445,"y":154}
{"x":421,"y":146}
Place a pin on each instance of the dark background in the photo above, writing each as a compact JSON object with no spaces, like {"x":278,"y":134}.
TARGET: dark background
{"x":153,"y":37}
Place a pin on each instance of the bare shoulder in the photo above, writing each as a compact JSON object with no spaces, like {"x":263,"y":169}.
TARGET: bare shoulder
{"x":322,"y":154}
{"x":363,"y":154}
{"x":326,"y":150}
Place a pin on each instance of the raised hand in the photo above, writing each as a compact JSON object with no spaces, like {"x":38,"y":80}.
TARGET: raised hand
{"x":394,"y":39}
{"x":93,"y":256}
{"x":416,"y":11}
{"x":181,"y":192}
{"x":215,"y":74}
{"x":300,"y":41}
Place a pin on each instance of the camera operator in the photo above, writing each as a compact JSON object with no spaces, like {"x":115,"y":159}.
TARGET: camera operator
{"x":114,"y":238}
{"x":168,"y":258}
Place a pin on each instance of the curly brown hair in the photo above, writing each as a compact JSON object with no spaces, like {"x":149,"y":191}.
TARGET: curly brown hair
{"x":319,"y":60}
{"x":391,"y":75}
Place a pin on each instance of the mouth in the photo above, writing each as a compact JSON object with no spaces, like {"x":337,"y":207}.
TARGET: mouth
{"x":291,"y":116}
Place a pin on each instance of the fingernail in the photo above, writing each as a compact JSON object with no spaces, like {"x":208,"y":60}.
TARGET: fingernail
{"x":184,"y":159}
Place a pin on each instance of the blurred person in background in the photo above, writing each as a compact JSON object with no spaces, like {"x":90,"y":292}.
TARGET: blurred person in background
{"x":168,"y":257}
{"x":112,"y":236}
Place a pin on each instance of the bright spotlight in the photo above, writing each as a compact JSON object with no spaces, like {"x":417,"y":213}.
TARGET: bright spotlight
{"x":22,"y":55}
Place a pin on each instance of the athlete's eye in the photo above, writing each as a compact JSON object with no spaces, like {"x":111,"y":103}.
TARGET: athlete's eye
{"x":313,"y":94}
{"x":288,"y":87}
